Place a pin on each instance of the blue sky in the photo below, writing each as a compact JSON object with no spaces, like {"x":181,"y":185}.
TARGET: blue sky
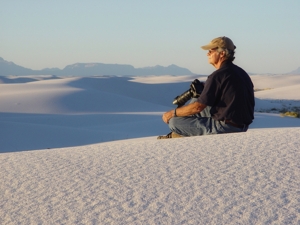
{"x":44,"y":34}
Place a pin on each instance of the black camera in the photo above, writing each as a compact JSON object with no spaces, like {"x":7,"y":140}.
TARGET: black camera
{"x":194,"y":92}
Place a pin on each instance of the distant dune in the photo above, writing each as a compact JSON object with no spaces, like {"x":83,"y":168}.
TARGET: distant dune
{"x":48,"y":111}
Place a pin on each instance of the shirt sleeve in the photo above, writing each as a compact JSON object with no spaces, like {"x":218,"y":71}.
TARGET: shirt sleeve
{"x":210,"y":92}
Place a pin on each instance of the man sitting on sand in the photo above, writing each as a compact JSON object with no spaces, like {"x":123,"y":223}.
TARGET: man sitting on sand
{"x":226,"y":103}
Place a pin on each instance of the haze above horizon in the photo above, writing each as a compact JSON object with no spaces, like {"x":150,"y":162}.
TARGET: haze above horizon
{"x":42,"y":35}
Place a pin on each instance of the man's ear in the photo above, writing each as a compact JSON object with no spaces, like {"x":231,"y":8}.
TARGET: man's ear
{"x":222,"y":54}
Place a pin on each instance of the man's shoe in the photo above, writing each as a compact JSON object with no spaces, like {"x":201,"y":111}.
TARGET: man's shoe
{"x":169,"y":135}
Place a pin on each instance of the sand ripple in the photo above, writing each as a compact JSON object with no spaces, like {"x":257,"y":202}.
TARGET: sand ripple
{"x":245,"y":178}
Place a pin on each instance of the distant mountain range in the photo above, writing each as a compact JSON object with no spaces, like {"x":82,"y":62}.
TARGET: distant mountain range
{"x":297,"y":71}
{"x":92,"y":69}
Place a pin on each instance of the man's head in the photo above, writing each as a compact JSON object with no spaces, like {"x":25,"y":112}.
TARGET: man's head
{"x":219,"y":50}
{"x":220,"y":42}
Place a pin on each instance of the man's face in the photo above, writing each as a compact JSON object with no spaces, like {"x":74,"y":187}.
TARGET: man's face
{"x":213,"y":56}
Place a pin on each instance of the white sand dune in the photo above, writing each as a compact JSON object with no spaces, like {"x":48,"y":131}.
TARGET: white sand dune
{"x":245,"y":178}
{"x":277,"y":92}
{"x":274,"y":81}
{"x":105,"y":165}
{"x":282,"y":93}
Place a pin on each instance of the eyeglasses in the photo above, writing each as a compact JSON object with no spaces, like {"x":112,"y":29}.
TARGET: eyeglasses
{"x":212,"y":50}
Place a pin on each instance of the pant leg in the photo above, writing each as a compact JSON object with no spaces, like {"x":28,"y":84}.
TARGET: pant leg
{"x":200,"y":124}
{"x":191,"y":125}
{"x":195,"y":126}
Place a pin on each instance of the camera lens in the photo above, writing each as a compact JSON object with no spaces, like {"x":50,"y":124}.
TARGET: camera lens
{"x":183,"y":98}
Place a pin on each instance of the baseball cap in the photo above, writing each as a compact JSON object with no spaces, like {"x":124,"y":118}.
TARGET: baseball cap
{"x":221,"y":42}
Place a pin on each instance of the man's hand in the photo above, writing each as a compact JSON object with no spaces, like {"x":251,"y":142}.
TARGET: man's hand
{"x":167,"y":116}
{"x":186,"y":110}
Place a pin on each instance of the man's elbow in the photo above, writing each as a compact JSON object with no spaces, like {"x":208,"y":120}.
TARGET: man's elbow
{"x":199,"y":107}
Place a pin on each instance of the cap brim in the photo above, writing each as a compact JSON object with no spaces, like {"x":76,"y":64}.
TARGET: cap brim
{"x":207,"y":47}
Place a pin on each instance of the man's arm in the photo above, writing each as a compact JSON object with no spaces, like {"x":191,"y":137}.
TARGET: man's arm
{"x":186,"y":110}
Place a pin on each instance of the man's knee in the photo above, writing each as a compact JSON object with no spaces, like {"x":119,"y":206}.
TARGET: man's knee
{"x":176,"y":123}
{"x":172,"y":123}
